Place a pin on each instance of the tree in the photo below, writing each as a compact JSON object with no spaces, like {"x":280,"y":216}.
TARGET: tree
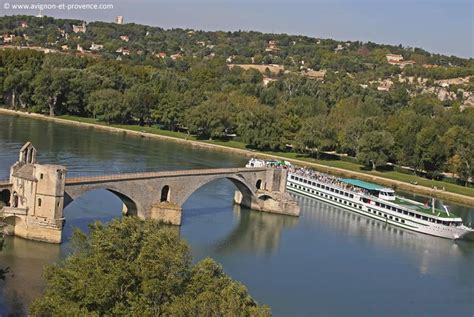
{"x":107,"y":105}
{"x":261,"y":128}
{"x":51,"y":88}
{"x":140,"y":99}
{"x":374,"y":148}
{"x":132,"y":267}
{"x":314,"y":135}
{"x":429,"y":151}
{"x":212,"y":118}
{"x":459,"y":143}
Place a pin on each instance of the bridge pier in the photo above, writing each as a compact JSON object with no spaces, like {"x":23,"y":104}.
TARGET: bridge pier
{"x":272,"y":202}
{"x":167,"y":212}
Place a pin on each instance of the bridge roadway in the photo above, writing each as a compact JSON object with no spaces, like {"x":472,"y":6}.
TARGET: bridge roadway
{"x":150,"y":175}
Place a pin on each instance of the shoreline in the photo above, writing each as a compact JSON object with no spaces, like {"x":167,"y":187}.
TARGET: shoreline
{"x":395,"y":184}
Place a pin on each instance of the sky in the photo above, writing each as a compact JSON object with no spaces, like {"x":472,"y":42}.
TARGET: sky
{"x":438,"y":26}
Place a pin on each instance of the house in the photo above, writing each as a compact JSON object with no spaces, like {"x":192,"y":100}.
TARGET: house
{"x":23,"y":24}
{"x":202,"y":43}
{"x":385,"y":85}
{"x":402,"y":64}
{"x":394,"y":58}
{"x":267,"y":80}
{"x":65,"y":47}
{"x":124,"y":38}
{"x":430,"y":66}
{"x":272,"y":46}
{"x":161,"y":55}
{"x":119,"y":19}
{"x":314,"y":74}
{"x":96,"y":47}
{"x":339,"y":48}
{"x":123,"y":50}
{"x":176,"y":56}
{"x":8,"y":38}
{"x":63,"y":33}
{"x":79,"y":28}
{"x":79,"y":48}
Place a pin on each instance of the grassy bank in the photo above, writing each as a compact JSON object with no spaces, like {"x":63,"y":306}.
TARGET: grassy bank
{"x":393,"y":175}
{"x":398,"y":180}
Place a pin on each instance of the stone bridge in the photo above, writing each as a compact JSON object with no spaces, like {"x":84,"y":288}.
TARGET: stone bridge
{"x":161,"y":195}
{"x":32,"y":201}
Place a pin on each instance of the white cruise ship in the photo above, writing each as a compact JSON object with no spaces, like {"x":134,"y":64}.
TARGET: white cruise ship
{"x":373,"y":201}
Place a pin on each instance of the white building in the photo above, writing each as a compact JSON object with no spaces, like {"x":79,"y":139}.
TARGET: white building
{"x":119,"y":19}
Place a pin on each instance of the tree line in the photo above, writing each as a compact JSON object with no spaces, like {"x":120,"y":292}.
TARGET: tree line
{"x":211,"y":101}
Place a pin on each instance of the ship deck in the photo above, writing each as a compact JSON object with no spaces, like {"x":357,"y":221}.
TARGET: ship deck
{"x":425,"y":210}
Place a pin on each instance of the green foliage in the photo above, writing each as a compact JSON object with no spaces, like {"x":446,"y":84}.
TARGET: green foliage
{"x":135,"y":268}
{"x":200,"y":94}
{"x":374,"y":148}
{"x":108,"y":105}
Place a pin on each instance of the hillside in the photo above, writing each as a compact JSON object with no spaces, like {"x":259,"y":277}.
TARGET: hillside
{"x":375,"y":104}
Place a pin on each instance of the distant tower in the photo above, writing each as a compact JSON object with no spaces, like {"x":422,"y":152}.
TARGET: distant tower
{"x":40,"y":14}
{"x":119,"y":19}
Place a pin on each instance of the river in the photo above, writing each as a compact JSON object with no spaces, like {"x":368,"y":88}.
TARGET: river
{"x":327,"y":262}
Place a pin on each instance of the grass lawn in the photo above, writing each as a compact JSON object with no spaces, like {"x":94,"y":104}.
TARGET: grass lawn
{"x":394,"y":175}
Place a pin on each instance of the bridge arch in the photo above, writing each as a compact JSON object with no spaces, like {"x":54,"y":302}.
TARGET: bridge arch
{"x":248,"y":191}
{"x":130,"y":206}
{"x":5,"y":196}
{"x":13,"y":224}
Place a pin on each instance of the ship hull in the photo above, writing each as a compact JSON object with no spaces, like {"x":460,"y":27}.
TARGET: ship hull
{"x":387,"y":216}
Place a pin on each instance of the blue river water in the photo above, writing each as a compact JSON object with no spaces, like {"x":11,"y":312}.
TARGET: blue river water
{"x":327,"y":262}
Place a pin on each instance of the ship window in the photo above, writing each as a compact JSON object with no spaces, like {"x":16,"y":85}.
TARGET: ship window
{"x":417,"y":216}
{"x":39,"y":202}
{"x":403,"y":221}
{"x":291,"y":177}
{"x":41,"y":176}
{"x":424,"y":218}
{"x":360,"y":207}
{"x":390,"y":217}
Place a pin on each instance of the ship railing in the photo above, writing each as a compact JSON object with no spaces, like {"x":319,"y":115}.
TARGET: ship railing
{"x":361,"y":193}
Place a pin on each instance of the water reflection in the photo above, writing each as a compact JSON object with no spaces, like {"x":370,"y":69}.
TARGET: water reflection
{"x":380,"y":235}
{"x":24,"y":282}
{"x":256,"y":232}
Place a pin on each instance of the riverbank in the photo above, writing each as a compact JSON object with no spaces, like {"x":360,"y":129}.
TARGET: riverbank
{"x":396,"y":180}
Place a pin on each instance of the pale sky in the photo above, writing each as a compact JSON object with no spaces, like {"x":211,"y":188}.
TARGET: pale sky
{"x":440,"y":26}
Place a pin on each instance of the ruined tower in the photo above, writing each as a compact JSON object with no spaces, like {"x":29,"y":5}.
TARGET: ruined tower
{"x":35,"y":209}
